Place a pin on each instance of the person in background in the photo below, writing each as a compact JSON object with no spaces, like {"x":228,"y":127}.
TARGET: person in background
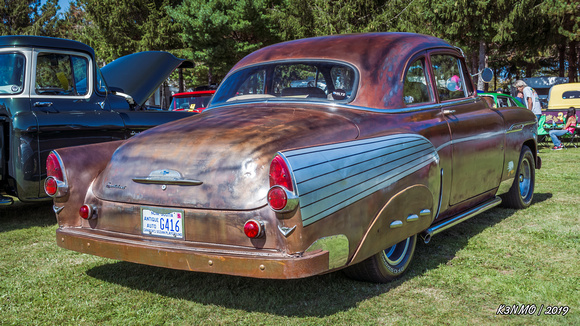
{"x":568,"y":128}
{"x":499,"y":90}
{"x":531,"y":98}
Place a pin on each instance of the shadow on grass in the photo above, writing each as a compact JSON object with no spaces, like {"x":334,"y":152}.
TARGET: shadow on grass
{"x":538,"y":198}
{"x":315,"y":296}
{"x":24,"y":215}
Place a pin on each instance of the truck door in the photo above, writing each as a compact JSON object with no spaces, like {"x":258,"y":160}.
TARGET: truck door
{"x":68,"y":105}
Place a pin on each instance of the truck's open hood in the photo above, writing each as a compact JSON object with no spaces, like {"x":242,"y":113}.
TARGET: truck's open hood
{"x":140,"y":74}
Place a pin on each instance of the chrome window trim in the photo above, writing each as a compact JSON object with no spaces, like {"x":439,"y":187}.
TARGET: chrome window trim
{"x":90,"y":75}
{"x":286,"y":61}
{"x":27,"y":53}
{"x":364,"y":108}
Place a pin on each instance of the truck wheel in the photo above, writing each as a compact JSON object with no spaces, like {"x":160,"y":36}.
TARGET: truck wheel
{"x":386,"y":265}
{"x":521,"y":193}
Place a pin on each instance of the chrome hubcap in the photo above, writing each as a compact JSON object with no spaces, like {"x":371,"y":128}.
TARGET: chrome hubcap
{"x":525,"y":178}
{"x":395,"y":254}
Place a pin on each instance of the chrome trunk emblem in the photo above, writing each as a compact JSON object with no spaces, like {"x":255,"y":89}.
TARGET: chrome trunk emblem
{"x":167,"y":177}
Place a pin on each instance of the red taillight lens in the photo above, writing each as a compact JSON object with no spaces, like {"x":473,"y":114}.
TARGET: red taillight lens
{"x":53,"y":168}
{"x":280,"y":174}
{"x":50,"y":186}
{"x":252,"y":229}
{"x":86,"y":211}
{"x":277,"y":198}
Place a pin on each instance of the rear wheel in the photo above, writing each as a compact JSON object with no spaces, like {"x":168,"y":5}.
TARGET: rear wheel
{"x":521,"y":193}
{"x":386,"y":265}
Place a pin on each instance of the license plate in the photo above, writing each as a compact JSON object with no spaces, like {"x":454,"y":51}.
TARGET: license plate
{"x":162,"y":222}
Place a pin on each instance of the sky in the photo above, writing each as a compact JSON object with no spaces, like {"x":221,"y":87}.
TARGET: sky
{"x":64,"y":4}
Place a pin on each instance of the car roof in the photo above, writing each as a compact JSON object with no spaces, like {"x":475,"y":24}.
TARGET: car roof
{"x":379,"y":58}
{"x":44,"y":42}
{"x":555,"y":100}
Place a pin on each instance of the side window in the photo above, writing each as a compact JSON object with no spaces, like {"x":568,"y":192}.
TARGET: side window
{"x":416,"y":88}
{"x":503,"y":101}
{"x":448,"y":77}
{"x":61,"y":74}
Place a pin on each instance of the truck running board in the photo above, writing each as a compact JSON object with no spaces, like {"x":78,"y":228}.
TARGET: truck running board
{"x":444,"y":225}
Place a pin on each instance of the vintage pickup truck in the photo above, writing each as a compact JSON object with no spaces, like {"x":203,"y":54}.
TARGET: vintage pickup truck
{"x":52,"y":95}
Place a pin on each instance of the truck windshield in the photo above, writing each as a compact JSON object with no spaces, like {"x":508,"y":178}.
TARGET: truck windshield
{"x":11,"y":73}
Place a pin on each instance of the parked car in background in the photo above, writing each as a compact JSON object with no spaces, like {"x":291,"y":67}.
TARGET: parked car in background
{"x":499,"y":100}
{"x":191,"y":101}
{"x":53,"y":95}
{"x":560,"y":99}
{"x":276,"y":180}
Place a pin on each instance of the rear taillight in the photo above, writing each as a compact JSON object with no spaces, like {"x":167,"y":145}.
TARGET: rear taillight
{"x":277,"y":198}
{"x":253,"y":229}
{"x":280,"y":174}
{"x":86,"y":212}
{"x":51,"y":186}
{"x":53,"y":168}
{"x":281,"y":197}
{"x":55,"y":184}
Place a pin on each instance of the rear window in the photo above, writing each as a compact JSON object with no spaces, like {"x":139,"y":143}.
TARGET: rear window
{"x":290,"y":81}
{"x":11,"y":73}
{"x":571,"y":95}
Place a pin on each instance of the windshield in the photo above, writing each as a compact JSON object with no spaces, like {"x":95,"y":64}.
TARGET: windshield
{"x":289,"y":81}
{"x":11,"y":73}
{"x":189,"y":103}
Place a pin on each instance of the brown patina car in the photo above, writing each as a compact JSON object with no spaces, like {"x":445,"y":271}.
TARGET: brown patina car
{"x":314,"y":155}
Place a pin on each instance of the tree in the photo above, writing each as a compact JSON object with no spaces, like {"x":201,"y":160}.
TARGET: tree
{"x":29,"y":17}
{"x":117,"y":28}
{"x":221,"y":32}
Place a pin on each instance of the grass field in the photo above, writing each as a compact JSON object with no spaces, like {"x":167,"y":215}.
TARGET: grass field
{"x":501,"y":257}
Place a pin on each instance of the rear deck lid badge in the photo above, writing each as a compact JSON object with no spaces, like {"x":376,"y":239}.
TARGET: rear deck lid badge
{"x":167,"y":177}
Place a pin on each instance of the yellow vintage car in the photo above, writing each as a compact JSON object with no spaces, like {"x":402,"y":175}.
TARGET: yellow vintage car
{"x":560,"y":99}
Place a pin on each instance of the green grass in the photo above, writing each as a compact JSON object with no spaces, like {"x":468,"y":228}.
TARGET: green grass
{"x":503,"y":256}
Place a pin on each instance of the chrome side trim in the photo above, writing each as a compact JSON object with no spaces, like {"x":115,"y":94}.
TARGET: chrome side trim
{"x":444,"y":225}
{"x":471,"y":138}
{"x":412,"y":218}
{"x":331,"y":177}
{"x":337,"y":247}
{"x":396,"y":224}
{"x":519,"y":126}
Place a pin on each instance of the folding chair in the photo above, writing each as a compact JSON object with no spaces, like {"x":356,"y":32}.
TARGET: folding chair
{"x":570,"y":138}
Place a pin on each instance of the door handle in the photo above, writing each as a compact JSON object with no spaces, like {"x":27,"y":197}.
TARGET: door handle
{"x":42,"y":104}
{"x":448,"y":111}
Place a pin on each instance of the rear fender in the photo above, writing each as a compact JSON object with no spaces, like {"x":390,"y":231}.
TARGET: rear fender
{"x":81,"y":165}
{"x":407,"y":213}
